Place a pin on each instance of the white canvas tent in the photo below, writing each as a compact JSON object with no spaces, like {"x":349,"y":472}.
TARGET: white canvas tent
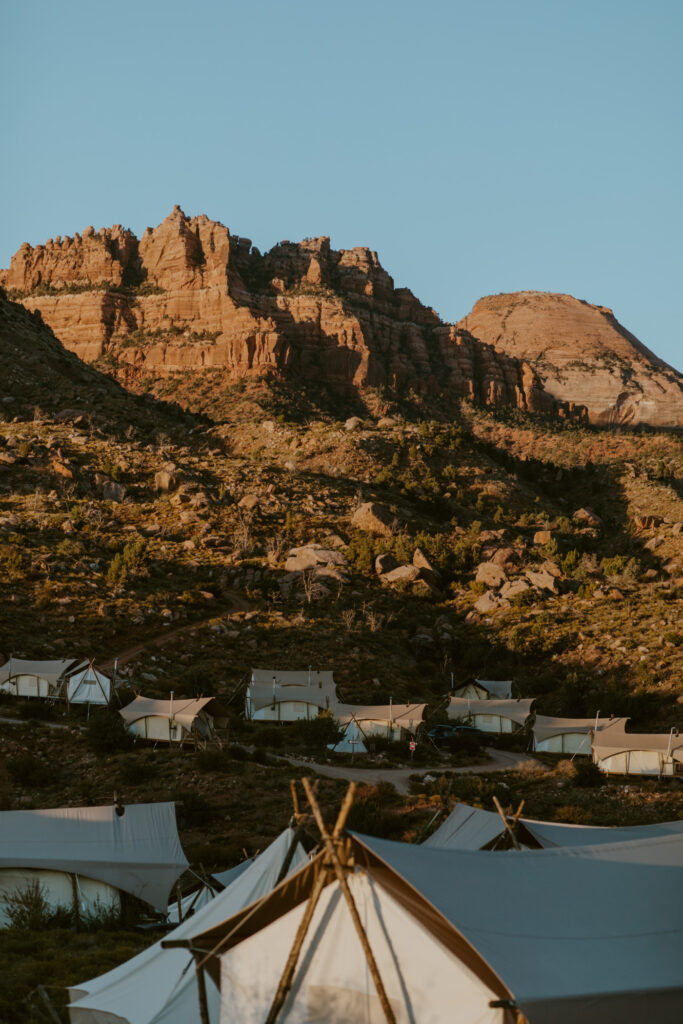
{"x":491,"y":715}
{"x":617,"y":752}
{"x":158,"y":986}
{"x":91,"y":854}
{"x":88,"y":686}
{"x":569,"y":735}
{"x":484,"y":689}
{"x":274,"y":696}
{"x":391,"y":721}
{"x":25,"y":678}
{"x":472,"y":828}
{"x":168,"y":721}
{"x":562,"y":937}
{"x":207,"y":889}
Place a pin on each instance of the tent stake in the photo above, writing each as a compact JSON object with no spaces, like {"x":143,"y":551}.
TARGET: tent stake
{"x":331,"y":848}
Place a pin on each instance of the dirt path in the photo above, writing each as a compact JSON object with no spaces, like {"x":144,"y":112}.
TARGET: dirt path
{"x":237,"y":604}
{"x":501,"y":761}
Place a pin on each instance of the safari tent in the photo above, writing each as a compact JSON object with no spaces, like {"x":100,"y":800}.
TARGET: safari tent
{"x":169,"y":721}
{"x":617,"y":752}
{"x":391,"y":721}
{"x":546,"y":935}
{"x":87,"y":686}
{"x":208,"y":889}
{"x":159,"y":986}
{"x":569,"y":735}
{"x":491,"y":715}
{"x":23,"y":678}
{"x":274,"y":696}
{"x":90,"y":855}
{"x":484,"y":689}
{"x":472,"y":828}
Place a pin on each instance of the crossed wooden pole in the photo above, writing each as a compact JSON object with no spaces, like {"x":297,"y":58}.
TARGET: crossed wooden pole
{"x":333,"y":844}
{"x":510,"y":826}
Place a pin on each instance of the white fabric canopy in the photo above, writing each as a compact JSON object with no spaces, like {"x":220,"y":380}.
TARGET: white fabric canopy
{"x":138,"y":852}
{"x":407,"y":716}
{"x":159,"y":985}
{"x":183,"y":711}
{"x":516,"y":710}
{"x":616,"y":740}
{"x":546,"y":726}
{"x":467,"y":828}
{"x":596,"y":938}
{"x":50,"y":670}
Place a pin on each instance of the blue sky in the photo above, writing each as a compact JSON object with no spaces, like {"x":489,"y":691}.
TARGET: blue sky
{"x":479,"y":147}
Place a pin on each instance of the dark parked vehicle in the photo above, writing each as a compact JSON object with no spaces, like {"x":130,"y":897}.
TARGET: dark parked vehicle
{"x":456,"y":735}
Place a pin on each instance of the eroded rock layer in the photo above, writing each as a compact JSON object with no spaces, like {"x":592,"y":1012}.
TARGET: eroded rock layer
{"x":581,"y":353}
{"x":190,"y":296}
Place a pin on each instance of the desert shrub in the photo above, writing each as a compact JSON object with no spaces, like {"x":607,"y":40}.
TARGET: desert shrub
{"x":587,"y":774}
{"x":269,"y":736}
{"x":371,"y":812}
{"x":214,"y":761}
{"x":133,"y":772}
{"x":27,"y":771}
{"x":28,"y":908}
{"x":106,"y":733}
{"x":238,"y":752}
{"x":316,"y":733}
{"x":36,"y":710}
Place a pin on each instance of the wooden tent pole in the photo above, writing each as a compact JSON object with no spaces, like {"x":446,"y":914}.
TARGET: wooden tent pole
{"x":300,"y":820}
{"x":331,"y":848}
{"x":508,"y":828}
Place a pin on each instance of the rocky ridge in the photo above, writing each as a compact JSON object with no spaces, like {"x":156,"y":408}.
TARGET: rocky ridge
{"x":189,"y":296}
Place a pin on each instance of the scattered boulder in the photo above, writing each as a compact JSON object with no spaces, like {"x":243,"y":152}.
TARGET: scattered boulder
{"x":648,"y":522}
{"x":353,"y":423}
{"x":488,"y":602}
{"x":68,"y":527}
{"x":62,"y":468}
{"x":385,"y":564}
{"x":373,"y":518}
{"x":543,"y":537}
{"x":422,"y":562}
{"x":311,"y":555}
{"x":513,"y":588}
{"x":505,"y":556}
{"x":386,"y":422}
{"x":542,"y":581}
{"x":552,"y":568}
{"x":166,"y":479}
{"x":402,"y":574}
{"x":491,"y":536}
{"x":587,"y":515}
{"x":677,"y":528}
{"x":491,"y":574}
{"x":110,"y":489}
{"x":653,"y":543}
{"x":249,"y":502}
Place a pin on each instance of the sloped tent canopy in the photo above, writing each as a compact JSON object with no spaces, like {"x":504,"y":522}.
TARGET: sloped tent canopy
{"x":595,"y":937}
{"x":88,"y":686}
{"x":138,"y":852}
{"x":205,"y":892}
{"x":472,"y":828}
{"x":485,"y":689}
{"x":166,"y":720}
{"x":569,"y":735}
{"x":362,"y":721}
{"x":491,"y":715}
{"x":26,"y":678}
{"x":158,"y":986}
{"x":289,"y":696}
{"x":617,"y":752}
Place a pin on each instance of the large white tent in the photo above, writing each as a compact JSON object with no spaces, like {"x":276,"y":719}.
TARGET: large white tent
{"x":617,"y":752}
{"x":168,"y":721}
{"x":390,"y":721}
{"x":207,"y":889}
{"x":276,"y":696}
{"x":484,"y":689}
{"x":88,"y":686}
{"x":569,"y":735}
{"x":158,"y":986}
{"x":91,"y":854}
{"x":473,"y":828}
{"x":33,"y":678}
{"x":595,"y":936}
{"x":491,"y":715}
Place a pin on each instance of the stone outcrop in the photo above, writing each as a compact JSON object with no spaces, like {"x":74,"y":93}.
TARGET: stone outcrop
{"x":190,"y":296}
{"x":582,"y":356}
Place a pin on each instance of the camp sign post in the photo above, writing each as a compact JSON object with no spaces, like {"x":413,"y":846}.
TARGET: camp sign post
{"x":412,"y":746}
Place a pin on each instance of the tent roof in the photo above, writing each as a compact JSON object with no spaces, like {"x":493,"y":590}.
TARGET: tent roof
{"x":408,"y":716}
{"x":155,"y":985}
{"x":501,"y":688}
{"x":184,"y":710}
{"x":50,"y":670}
{"x":546,"y":726}
{"x":87,"y":673}
{"x":466,"y":828}
{"x":138,"y":852}
{"x":616,"y":740}
{"x":262,"y":696}
{"x":265,"y":676}
{"x":592,"y":937}
{"x":517,"y":710}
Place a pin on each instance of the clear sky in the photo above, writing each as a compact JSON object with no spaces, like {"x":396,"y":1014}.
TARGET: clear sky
{"x":479,"y":147}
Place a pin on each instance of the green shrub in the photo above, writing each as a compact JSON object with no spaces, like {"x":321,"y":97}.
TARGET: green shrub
{"x":587,"y":774}
{"x":27,"y":771}
{"x":106,"y":733}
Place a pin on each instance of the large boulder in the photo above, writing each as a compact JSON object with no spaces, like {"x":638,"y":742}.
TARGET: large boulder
{"x":166,"y":479}
{"x":542,"y":580}
{"x":488,"y":602}
{"x":543,"y":537}
{"x":588,"y":516}
{"x":491,"y":574}
{"x":373,"y":518}
{"x":384,"y":564}
{"x":513,"y":588}
{"x":505,"y":556}
{"x":311,"y":555}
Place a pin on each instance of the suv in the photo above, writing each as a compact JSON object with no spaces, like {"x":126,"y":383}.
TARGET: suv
{"x":446,"y":735}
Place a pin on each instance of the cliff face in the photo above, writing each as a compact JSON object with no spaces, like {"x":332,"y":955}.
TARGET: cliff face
{"x":581,"y":353}
{"x":189,"y":296}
